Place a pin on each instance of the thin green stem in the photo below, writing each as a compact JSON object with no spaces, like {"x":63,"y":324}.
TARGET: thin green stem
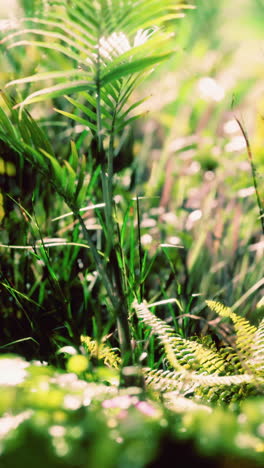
{"x":98,"y":261}
{"x":254,"y":175}
{"x":140,"y":253}
{"x":98,"y":99}
{"x":113,"y":282}
{"x":114,"y":289}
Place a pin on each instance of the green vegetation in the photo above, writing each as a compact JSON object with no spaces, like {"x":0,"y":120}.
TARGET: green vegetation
{"x":132,"y":224}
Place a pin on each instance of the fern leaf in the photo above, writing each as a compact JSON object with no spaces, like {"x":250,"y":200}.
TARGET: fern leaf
{"x":162,"y":330}
{"x":205,"y":373}
{"x":188,"y":382}
{"x":257,"y":355}
{"x":163,"y":381}
{"x":181,"y":404}
{"x":179,"y":351}
{"x":245,"y":332}
{"x":101,"y":351}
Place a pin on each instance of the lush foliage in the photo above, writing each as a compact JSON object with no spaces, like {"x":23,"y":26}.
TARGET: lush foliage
{"x":74,"y":422}
{"x":109,"y":213}
{"x":199,"y":369}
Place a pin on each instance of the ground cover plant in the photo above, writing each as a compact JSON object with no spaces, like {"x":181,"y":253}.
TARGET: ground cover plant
{"x":131,"y":212}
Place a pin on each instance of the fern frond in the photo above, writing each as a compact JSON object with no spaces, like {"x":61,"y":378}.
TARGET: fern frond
{"x":245,"y":332}
{"x":217,"y":376}
{"x":101,"y":351}
{"x":187,"y":382}
{"x":181,"y":404}
{"x":161,"y":329}
{"x":232,"y":360}
{"x":257,"y":350}
{"x":179,"y":351}
{"x":163,"y":380}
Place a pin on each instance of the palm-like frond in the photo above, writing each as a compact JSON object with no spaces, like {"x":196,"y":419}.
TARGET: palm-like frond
{"x":106,"y":48}
{"x":104,"y":42}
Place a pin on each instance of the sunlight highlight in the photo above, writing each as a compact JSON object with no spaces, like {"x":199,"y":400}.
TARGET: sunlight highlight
{"x":7,"y":24}
{"x":210,"y":90}
{"x":9,"y":423}
{"x":236,"y":144}
{"x":231,"y":126}
{"x":12,"y":371}
{"x":193,"y":217}
{"x":118,"y":43}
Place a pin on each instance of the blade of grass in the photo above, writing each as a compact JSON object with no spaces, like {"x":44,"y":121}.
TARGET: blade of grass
{"x":254,"y":175}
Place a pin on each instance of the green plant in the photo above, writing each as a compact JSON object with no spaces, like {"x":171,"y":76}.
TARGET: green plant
{"x":199,"y":369}
{"x":87,"y":256}
{"x":91,"y":424}
{"x":108,"y":55}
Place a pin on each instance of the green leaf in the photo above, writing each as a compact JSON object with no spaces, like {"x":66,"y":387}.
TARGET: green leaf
{"x":50,"y":34}
{"x":36,"y":158}
{"x":81,"y":192}
{"x":38,"y":137}
{"x":78,"y":119}
{"x":55,"y":91}
{"x":7,"y":125}
{"x":74,"y":157}
{"x":70,"y":177}
{"x":45,"y":45}
{"x":56,"y":168}
{"x":50,"y":76}
{"x":136,"y":66}
{"x":121,"y":125}
{"x":92,"y":115}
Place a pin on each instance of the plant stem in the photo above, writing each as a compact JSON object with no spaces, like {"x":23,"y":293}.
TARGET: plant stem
{"x":140,"y":253}
{"x":254,"y":175}
{"x":114,"y":289}
{"x":113,"y":282}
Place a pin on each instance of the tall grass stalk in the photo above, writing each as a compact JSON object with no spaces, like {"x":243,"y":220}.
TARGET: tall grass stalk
{"x":260,"y":202}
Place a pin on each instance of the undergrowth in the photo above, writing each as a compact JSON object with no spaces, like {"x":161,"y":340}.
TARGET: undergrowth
{"x":108,"y":212}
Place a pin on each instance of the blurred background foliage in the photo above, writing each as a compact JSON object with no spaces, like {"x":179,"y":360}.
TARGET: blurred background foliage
{"x":187,"y":158}
{"x":76,"y":423}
